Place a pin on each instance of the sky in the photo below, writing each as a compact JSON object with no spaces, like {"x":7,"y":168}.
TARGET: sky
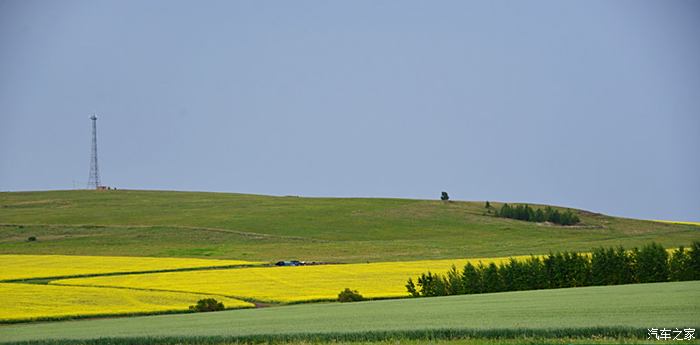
{"x":586,"y":104}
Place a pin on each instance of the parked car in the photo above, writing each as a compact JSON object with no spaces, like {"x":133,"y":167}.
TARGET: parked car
{"x":289,"y":263}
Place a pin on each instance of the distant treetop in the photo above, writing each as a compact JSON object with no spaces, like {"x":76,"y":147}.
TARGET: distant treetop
{"x":444,"y":196}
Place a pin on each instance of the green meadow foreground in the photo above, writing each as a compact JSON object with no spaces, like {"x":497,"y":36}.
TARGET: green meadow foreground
{"x":267,"y":228}
{"x":396,"y":340}
{"x":576,"y":312}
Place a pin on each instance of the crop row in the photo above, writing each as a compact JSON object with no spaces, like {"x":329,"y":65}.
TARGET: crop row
{"x":24,"y":302}
{"x":15,"y":267}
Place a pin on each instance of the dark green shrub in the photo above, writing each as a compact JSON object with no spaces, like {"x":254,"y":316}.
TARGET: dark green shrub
{"x":600,"y":258}
{"x":31,"y":238}
{"x":207,"y":304}
{"x":529,"y":214}
{"x":679,"y":266}
{"x":432,"y":285}
{"x":453,"y":282}
{"x":652,"y":264}
{"x":612,"y":266}
{"x":553,"y":265}
{"x":505,"y":212}
{"x":568,"y":218}
{"x":539,"y":216}
{"x":509,"y":274}
{"x":348,"y":295}
{"x":411,"y":287}
{"x":472,"y":278}
{"x":492,"y":281}
{"x":535,"y":274}
{"x":694,"y":260}
{"x":579,"y":269}
{"x":554,"y":217}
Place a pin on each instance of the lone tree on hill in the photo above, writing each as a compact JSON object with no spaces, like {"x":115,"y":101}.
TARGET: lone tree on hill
{"x":444,"y":196}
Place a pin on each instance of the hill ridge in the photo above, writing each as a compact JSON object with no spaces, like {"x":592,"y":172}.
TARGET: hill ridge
{"x":269,"y":228}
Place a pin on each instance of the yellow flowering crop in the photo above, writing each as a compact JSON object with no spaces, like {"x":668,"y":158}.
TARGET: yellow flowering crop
{"x":31,"y":301}
{"x":39,"y":266}
{"x":287,"y":284}
{"x":678,"y":222}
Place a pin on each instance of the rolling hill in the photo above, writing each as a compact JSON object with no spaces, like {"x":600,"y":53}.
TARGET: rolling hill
{"x":268,"y":228}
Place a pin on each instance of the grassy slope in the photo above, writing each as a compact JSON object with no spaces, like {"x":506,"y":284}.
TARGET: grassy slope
{"x":253,"y":227}
{"x":639,"y":306}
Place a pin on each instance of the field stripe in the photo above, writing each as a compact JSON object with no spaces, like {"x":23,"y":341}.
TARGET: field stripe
{"x":678,"y":222}
{"x":40,"y":302}
{"x":656,"y":305}
{"x":20,"y":266}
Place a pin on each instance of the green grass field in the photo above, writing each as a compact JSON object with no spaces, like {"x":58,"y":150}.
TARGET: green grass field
{"x":638,"y":307}
{"x":265,"y":228}
{"x":398,"y":339}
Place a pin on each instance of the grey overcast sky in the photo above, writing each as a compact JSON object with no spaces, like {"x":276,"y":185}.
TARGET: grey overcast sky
{"x":587,"y":104}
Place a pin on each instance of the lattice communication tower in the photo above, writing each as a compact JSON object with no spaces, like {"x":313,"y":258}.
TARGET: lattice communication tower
{"x":94,"y":179}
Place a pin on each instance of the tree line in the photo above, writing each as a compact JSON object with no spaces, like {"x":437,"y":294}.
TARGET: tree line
{"x":529,"y":214}
{"x":603,"y":266}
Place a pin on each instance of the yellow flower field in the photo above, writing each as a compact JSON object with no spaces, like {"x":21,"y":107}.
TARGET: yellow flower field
{"x":678,"y":222}
{"x":287,"y":284}
{"x":32,"y":301}
{"x":40,"y":266}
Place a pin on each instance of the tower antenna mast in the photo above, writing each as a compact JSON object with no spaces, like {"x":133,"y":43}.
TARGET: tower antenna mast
{"x":94,"y":179}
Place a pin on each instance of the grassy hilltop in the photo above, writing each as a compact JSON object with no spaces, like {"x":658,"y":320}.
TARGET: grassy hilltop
{"x":255,"y":227}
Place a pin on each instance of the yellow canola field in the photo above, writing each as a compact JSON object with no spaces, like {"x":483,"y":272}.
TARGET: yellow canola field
{"x":42,"y":266}
{"x":678,"y":222}
{"x":32,"y":301}
{"x":288,"y":284}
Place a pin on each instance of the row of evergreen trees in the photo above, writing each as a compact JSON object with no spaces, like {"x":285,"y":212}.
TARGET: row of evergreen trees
{"x":611,"y":266}
{"x":527,"y":213}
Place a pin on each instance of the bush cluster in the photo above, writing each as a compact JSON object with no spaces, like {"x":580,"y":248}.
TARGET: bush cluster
{"x":529,"y":214}
{"x":348,"y":295}
{"x":611,"y":266}
{"x":207,"y":304}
